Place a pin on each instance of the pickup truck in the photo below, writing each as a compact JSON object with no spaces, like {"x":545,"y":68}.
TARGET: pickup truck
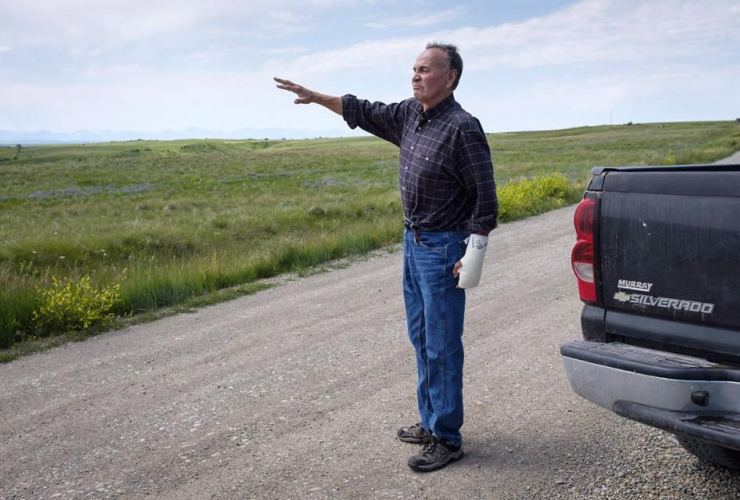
{"x":657,"y":260}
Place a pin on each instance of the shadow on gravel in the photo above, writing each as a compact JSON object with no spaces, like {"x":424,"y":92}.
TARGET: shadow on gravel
{"x":499,"y":453}
{"x":620,"y":460}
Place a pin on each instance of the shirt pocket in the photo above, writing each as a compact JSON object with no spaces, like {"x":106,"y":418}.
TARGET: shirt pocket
{"x":432,"y":160}
{"x":434,"y":172}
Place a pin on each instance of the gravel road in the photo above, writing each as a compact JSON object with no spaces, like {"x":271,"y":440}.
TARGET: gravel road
{"x":730,"y":160}
{"x":297,"y":392}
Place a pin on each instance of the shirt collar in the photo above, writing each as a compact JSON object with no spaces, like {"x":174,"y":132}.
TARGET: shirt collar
{"x":439,"y":108}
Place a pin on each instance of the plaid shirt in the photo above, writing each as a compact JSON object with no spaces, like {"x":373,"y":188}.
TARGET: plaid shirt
{"x":445,"y":170}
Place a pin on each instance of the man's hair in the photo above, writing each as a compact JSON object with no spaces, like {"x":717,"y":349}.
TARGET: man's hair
{"x":452,"y":59}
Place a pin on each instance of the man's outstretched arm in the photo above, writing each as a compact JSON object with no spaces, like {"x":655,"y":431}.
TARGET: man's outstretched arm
{"x":306,"y":96}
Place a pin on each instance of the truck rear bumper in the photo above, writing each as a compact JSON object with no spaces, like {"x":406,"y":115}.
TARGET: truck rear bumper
{"x":680,"y":394}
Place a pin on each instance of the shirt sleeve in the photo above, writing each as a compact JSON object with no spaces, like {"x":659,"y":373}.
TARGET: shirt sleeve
{"x":476,"y":171}
{"x":382,"y":120}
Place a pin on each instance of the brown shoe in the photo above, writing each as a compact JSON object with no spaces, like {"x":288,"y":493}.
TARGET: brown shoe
{"x":437,"y":453}
{"x":414,"y":434}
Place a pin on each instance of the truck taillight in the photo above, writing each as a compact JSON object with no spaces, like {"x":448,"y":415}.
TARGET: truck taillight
{"x":582,"y":257}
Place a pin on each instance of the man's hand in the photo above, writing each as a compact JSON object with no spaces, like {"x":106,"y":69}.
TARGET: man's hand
{"x":473,"y":259}
{"x":459,"y":264}
{"x":306,"y":96}
{"x":456,"y":269}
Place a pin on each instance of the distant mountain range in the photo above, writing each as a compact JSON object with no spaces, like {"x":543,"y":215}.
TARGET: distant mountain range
{"x":83,"y":136}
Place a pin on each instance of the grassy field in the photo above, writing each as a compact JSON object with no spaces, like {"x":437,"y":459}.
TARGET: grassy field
{"x":169,"y":221}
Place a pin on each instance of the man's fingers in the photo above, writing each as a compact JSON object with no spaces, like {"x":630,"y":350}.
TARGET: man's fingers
{"x":456,"y":269}
{"x":287,"y":85}
{"x":292,"y":88}
{"x":304,"y":95}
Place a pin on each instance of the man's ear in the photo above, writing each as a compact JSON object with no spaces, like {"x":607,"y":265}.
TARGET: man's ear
{"x":451,"y":76}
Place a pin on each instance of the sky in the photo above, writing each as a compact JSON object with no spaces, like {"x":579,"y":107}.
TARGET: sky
{"x":153,"y":65}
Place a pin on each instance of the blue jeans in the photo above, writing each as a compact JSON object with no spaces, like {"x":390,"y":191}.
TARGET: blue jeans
{"x":435,"y":311}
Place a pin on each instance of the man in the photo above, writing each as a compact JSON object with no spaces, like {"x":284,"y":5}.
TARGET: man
{"x":448,"y":191}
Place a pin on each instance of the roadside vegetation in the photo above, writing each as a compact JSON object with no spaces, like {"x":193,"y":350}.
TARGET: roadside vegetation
{"x":93,"y":233}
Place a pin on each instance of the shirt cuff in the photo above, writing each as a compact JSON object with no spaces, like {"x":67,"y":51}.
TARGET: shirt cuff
{"x":483,"y":225}
{"x":349,"y":110}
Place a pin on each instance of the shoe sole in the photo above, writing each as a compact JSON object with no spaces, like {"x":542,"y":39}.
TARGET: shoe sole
{"x":412,"y":440}
{"x":432,"y":467}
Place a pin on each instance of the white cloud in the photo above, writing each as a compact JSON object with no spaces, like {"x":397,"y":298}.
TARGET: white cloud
{"x":609,"y":30}
{"x":590,"y":31}
{"x":669,"y":94}
{"x":393,"y":52}
{"x":280,"y":24}
{"x":284,"y":50}
{"x":36,"y":22}
{"x":650,"y":61}
{"x":151,"y":65}
{"x":288,"y":17}
{"x":418,"y":20}
{"x":129,"y":97}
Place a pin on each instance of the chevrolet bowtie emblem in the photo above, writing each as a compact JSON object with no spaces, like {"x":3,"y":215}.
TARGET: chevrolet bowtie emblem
{"x":622,"y":297}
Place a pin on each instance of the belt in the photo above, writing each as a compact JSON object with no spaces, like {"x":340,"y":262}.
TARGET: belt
{"x":410,"y":226}
{"x":413,"y":227}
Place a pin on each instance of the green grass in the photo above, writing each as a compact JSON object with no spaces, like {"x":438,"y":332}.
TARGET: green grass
{"x":175,"y":222}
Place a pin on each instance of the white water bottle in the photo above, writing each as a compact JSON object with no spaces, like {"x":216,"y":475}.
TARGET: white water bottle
{"x":472,"y":261}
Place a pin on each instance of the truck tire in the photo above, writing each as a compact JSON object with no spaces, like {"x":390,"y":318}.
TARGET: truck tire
{"x":726,"y":457}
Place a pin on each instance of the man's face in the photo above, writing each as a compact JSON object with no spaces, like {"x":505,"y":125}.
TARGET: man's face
{"x":431,"y":82}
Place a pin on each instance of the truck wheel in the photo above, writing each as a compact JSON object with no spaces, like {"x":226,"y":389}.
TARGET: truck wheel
{"x":726,"y":457}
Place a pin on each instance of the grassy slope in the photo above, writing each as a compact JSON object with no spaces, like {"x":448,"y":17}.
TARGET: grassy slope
{"x":173,"y":220}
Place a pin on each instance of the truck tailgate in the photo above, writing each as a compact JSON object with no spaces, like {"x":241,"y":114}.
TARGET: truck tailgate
{"x":670,"y":249}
